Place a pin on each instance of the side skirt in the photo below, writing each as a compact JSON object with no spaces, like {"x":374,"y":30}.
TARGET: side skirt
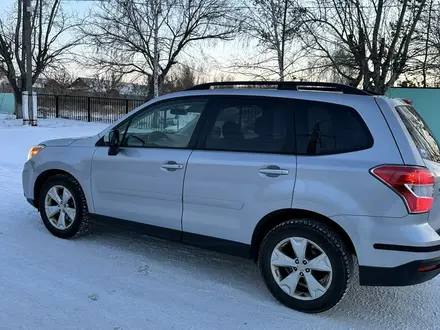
{"x":201,"y":241}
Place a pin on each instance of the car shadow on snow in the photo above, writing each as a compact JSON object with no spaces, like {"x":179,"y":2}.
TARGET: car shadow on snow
{"x":398,"y":306}
{"x":403,"y":307}
{"x":204,"y":265}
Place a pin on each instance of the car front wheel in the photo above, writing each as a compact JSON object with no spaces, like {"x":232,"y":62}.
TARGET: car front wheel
{"x":63,"y":207}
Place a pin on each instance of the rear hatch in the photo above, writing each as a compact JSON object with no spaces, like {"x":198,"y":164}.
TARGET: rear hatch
{"x":429,"y":150}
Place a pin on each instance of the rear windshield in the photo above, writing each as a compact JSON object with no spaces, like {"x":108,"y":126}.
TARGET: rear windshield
{"x":420,"y":133}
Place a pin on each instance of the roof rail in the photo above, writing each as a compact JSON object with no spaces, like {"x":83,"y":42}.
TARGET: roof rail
{"x":286,"y":85}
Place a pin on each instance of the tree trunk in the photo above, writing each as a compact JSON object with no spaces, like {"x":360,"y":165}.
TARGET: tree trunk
{"x":425,"y":60}
{"x":156,"y":49}
{"x":281,"y":57}
{"x":18,"y":111}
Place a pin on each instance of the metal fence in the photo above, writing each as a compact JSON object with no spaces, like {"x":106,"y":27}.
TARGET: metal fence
{"x":86,"y":108}
{"x":108,"y":110}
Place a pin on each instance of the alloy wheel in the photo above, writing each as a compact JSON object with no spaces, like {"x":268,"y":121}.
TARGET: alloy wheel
{"x":60,"y":207}
{"x":301,"y":268}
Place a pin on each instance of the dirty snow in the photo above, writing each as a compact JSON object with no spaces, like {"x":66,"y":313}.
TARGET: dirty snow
{"x":122,"y":280}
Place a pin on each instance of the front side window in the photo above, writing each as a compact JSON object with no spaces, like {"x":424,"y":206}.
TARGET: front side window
{"x":166,"y":125}
{"x":419,"y":132}
{"x":252,"y":125}
{"x":326,"y":128}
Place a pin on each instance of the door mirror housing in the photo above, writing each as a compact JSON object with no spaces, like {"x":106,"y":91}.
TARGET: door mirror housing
{"x":113,"y":138}
{"x":113,"y":142}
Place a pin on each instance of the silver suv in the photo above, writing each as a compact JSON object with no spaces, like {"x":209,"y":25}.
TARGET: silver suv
{"x":301,"y":177}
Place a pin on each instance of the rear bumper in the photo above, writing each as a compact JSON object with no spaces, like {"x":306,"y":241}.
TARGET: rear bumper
{"x":406,"y":248}
{"x":414,"y":272}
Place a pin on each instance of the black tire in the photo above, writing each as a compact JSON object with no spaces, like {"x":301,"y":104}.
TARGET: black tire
{"x":82,"y":224}
{"x":340,"y":258}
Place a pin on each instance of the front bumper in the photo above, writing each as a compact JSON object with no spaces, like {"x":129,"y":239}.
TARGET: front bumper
{"x":32,"y":202}
{"x":28,"y":181}
{"x":411,"y":273}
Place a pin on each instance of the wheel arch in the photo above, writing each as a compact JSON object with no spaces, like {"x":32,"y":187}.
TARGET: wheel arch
{"x":43,"y":177}
{"x":271,"y":220}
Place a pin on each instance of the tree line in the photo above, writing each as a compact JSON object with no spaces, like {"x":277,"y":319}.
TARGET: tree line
{"x":370,"y":44}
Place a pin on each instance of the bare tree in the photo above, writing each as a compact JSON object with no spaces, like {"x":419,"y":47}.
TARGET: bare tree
{"x":336,"y":68}
{"x":222,"y":77}
{"x":5,"y":87}
{"x":426,"y":21}
{"x":425,"y":61}
{"x":430,"y":38}
{"x":435,"y":37}
{"x":109,"y":83}
{"x":184,"y":77}
{"x":58,"y":80}
{"x":274,"y":26}
{"x":135,"y":37}
{"x":375,"y":37}
{"x":50,"y":42}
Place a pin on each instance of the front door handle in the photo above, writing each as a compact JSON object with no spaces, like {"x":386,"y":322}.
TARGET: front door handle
{"x":171,"y":166}
{"x":273,"y":171}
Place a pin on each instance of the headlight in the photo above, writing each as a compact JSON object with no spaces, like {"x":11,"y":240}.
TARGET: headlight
{"x":35,"y":150}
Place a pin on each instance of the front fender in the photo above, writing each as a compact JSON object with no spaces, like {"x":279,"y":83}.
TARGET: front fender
{"x":74,"y":161}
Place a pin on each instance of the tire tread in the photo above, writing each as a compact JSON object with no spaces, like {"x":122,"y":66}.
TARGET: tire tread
{"x":86,"y":223}
{"x":329,"y":234}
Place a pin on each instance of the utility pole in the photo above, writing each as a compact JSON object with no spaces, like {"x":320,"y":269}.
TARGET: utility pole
{"x":27,"y":52}
{"x":156,"y":12}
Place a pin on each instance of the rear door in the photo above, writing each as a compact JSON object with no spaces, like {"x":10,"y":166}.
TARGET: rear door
{"x":428,"y":148}
{"x":244,"y":167}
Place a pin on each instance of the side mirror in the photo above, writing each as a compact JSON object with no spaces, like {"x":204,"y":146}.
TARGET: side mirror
{"x":113,"y":138}
{"x":113,"y":142}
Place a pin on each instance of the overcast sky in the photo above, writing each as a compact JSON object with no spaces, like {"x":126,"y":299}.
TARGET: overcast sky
{"x":214,"y":59}
{"x":68,"y":4}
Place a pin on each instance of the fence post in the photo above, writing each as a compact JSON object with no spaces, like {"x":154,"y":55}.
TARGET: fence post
{"x":57,"y":106}
{"x":89,"y":115}
{"x":126,"y":106}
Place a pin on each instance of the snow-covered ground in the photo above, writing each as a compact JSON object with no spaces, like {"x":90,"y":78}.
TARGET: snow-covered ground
{"x":122,"y":280}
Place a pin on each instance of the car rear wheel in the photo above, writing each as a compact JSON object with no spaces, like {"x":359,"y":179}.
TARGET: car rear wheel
{"x":305,"y":265}
{"x":63,"y":207}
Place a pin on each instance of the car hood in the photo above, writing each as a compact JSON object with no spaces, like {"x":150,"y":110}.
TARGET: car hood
{"x":59,"y":142}
{"x":64,"y":142}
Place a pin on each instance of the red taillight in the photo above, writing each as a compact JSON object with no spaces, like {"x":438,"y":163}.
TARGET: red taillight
{"x":428,"y":268}
{"x":414,"y":184}
{"x":407,"y":101}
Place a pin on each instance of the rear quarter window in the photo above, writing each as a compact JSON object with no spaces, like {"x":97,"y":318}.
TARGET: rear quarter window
{"x":326,"y":128}
{"x":420,"y":133}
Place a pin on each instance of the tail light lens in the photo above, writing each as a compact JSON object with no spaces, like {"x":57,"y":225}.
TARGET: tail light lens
{"x":414,"y":184}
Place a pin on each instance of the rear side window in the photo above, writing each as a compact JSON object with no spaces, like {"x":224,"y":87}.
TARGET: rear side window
{"x":252,"y":124}
{"x":327,"y":128}
{"x":419,"y":132}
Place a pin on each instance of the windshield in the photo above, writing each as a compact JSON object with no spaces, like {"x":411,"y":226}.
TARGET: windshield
{"x":420,"y":133}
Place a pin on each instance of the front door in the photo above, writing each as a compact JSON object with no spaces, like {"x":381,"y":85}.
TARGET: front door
{"x":244,"y":169}
{"x":143,"y":182}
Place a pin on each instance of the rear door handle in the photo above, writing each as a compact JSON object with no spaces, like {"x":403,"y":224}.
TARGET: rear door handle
{"x":273,"y":171}
{"x":171,"y":166}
